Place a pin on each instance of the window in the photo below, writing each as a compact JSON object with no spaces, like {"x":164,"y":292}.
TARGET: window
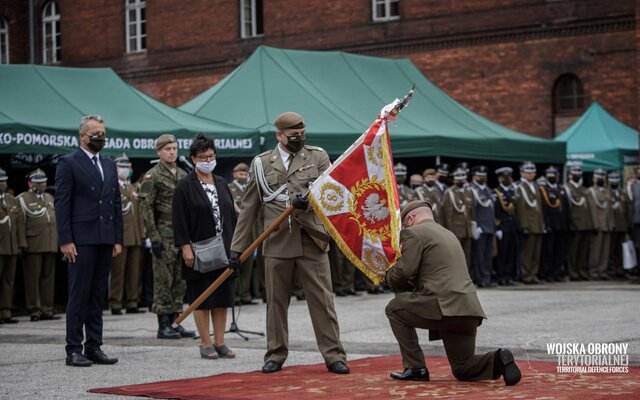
{"x":136,"y":25}
{"x":568,"y":102}
{"x":4,"y":41}
{"x":385,"y":10}
{"x":50,"y":34}
{"x":251,"y":18}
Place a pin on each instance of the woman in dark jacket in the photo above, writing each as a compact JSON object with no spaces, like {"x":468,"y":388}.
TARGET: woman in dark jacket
{"x":202,"y":208}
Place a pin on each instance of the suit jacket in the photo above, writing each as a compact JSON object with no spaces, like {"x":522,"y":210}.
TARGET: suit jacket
{"x":434,"y":265}
{"x":579,"y":207}
{"x":286,"y":242}
{"x":529,"y":208}
{"x":12,"y":231}
{"x":88,"y":208}
{"x":40,"y":222}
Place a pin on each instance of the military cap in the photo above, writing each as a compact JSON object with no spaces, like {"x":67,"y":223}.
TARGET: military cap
{"x":443,"y":169}
{"x":599,"y":173}
{"x":412,"y":206}
{"x":479,"y":170}
{"x":528,"y":167}
{"x":429,"y":171}
{"x":164,"y":140}
{"x":37,"y":176}
{"x":463,"y":165}
{"x":575,"y":170}
{"x":400,"y":169}
{"x":614,"y":177}
{"x":122,"y":160}
{"x":288,"y":120}
{"x":504,"y":171}
{"x":551,"y":171}
{"x":3,"y":175}
{"x":459,"y":174}
{"x":241,"y":167}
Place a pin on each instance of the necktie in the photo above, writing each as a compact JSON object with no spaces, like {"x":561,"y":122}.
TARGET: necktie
{"x":289,"y":161}
{"x":95,"y":164}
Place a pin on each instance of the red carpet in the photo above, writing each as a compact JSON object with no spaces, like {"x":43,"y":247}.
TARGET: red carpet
{"x":369,"y":379}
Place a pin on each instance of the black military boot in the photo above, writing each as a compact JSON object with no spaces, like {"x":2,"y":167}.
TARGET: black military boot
{"x":165,"y":331}
{"x":180,"y":329}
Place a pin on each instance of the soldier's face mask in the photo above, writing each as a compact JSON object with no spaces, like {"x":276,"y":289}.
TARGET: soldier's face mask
{"x":613,"y":185}
{"x":401,"y":179}
{"x":295,"y":143}
{"x":123,"y":172}
{"x":600,"y":182}
{"x":576,"y":178}
{"x":506,"y":180}
{"x":3,"y":187}
{"x":552,"y":179}
{"x":459,"y":183}
{"x":481,"y":180}
{"x":442,"y":179}
{"x":429,"y":183}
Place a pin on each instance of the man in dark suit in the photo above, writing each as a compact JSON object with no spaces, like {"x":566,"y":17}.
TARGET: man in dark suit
{"x":442,"y":298}
{"x":89,"y":220}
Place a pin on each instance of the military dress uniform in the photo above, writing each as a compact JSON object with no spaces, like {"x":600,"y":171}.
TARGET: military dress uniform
{"x":482,"y":247}
{"x":40,"y":261}
{"x":156,"y":192}
{"x":556,"y":222}
{"x":580,"y":226}
{"x":530,"y":225}
{"x":506,"y":229}
{"x":127,"y":266}
{"x":442,"y":171}
{"x":622,"y":223}
{"x":599,"y":198}
{"x":432,"y":195}
{"x":458,"y":213}
{"x":12,"y":239}
{"x":300,"y":244}
{"x":405,"y":193}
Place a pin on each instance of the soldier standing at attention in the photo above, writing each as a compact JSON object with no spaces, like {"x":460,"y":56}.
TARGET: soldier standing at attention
{"x":405,"y":193}
{"x":599,"y":199}
{"x":156,"y":192}
{"x":530,"y":223}
{"x":580,"y":226}
{"x":556,"y":222}
{"x":429,"y":193}
{"x":458,"y":212}
{"x":12,"y":243}
{"x":238,"y":187}
{"x":127,"y":266}
{"x":442,"y":184}
{"x":42,"y":245}
{"x":506,"y":227}
{"x":486,"y":225}
{"x":279,"y":176}
{"x":622,"y":223}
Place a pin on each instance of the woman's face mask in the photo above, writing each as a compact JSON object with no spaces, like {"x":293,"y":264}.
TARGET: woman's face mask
{"x":206,"y":167}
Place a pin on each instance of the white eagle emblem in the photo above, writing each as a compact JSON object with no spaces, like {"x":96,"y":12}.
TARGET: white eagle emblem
{"x":374,"y":209}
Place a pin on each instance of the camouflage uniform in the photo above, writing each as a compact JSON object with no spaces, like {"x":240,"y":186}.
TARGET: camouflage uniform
{"x":156,"y":192}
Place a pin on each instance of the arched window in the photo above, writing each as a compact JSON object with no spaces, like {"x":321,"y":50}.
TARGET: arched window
{"x":568,"y":102}
{"x":136,"y":28}
{"x":4,"y":41}
{"x":50,"y":33}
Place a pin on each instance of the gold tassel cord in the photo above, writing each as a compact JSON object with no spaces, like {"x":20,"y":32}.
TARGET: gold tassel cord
{"x":545,"y":196}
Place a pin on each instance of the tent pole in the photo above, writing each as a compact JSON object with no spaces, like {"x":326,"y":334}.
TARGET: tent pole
{"x":32,"y":45}
{"x":437,"y":160}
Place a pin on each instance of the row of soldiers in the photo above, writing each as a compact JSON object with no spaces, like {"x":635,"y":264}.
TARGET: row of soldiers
{"x":542,"y":230}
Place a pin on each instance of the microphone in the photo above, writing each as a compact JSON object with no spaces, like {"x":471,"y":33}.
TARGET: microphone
{"x":185,"y":161}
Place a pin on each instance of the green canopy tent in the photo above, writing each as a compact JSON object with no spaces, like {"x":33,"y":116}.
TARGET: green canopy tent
{"x":599,"y":140}
{"x":41,"y":107}
{"x":340,"y":94}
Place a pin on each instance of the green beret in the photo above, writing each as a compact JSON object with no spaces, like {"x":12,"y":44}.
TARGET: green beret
{"x":412,"y":206}
{"x":288,"y":120}
{"x":429,"y":171}
{"x":241,"y":167}
{"x":164,"y":140}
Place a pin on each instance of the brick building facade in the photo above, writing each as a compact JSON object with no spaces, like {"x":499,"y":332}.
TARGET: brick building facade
{"x":503,"y":59}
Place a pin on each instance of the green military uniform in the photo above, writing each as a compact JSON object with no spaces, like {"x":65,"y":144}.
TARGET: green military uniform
{"x":343,"y":272}
{"x":530,"y":224}
{"x":299,"y":245}
{"x":127,"y":266}
{"x":431,"y":195}
{"x":40,"y":261}
{"x":156,"y":192}
{"x":457,"y":214}
{"x":622,"y":223}
{"x":243,"y":284}
{"x":580,"y":226}
{"x":405,"y":193}
{"x":599,"y":199}
{"x":441,"y":298}
{"x":12,"y":238}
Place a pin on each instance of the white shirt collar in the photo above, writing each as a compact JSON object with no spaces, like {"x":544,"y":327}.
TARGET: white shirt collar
{"x":505,"y":187}
{"x":284,"y":155}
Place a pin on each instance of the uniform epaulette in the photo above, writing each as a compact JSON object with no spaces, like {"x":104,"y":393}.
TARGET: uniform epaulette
{"x":264,"y":153}
{"x":314,"y":148}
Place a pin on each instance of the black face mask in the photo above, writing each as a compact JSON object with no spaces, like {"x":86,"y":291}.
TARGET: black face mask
{"x":429,"y":183}
{"x":481,"y":181}
{"x":552,"y":180}
{"x":576,"y":178}
{"x":459,"y":184}
{"x":96,"y":143}
{"x":442,"y":179}
{"x":400,"y":179}
{"x":614,"y":186}
{"x":600,"y":182}
{"x":506,"y":181}
{"x":295,"y":143}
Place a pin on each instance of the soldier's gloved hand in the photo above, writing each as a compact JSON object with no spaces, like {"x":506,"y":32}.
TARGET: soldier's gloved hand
{"x":525,"y":232}
{"x":156,"y":248}
{"x":499,"y":235}
{"x":300,"y":203}
{"x":234,"y":263}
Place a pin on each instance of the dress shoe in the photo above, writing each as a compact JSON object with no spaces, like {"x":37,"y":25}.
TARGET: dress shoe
{"x":339,"y":367}
{"x":9,"y":320}
{"x":78,"y":360}
{"x":301,"y":297}
{"x":49,"y":317}
{"x":505,"y":365}
{"x":99,"y":357}
{"x":116,"y":311}
{"x":135,"y":310}
{"x":271,"y":366}
{"x":340,"y":293}
{"x":35,"y":318}
{"x":411,"y":374}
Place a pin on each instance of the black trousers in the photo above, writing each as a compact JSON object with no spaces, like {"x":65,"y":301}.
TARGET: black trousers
{"x":88,"y":283}
{"x":482,"y":250}
{"x":554,"y":251}
{"x":506,"y":259}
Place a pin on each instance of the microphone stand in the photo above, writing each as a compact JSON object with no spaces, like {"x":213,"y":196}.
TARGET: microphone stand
{"x":233,"y":328}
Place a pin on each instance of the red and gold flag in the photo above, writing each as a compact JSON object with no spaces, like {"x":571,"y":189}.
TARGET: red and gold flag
{"x":357,"y":201}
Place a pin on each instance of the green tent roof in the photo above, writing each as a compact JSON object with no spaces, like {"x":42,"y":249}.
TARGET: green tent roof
{"x":599,"y":140}
{"x":340,"y":94}
{"x":41,"y":107}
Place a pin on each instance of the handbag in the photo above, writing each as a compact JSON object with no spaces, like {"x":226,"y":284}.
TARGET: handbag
{"x":210,"y":254}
